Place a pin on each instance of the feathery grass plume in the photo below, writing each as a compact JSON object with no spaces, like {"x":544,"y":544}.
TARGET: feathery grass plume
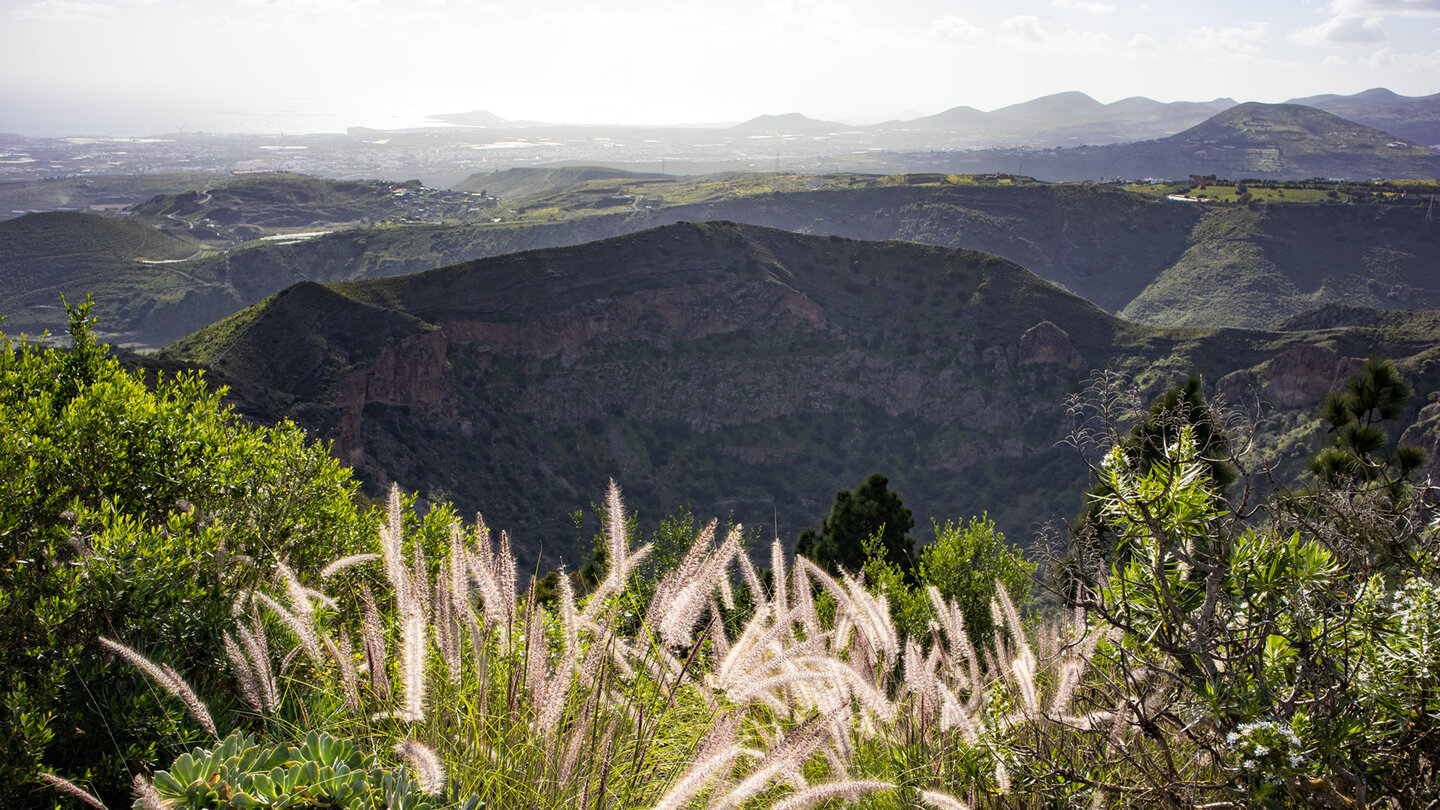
{"x":831,"y":790}
{"x":941,"y":801}
{"x":720,"y":642}
{"x":615,"y":534}
{"x":250,"y":690}
{"x":372,"y":641}
{"x":1074,"y":656}
{"x":146,"y":796}
{"x":445,"y":626}
{"x":66,"y":786}
{"x":797,"y":746}
{"x":460,"y":567}
{"x":344,"y":656}
{"x":1022,"y":665}
{"x":167,"y":680}
{"x":498,"y":605}
{"x":804,"y":600}
{"x":1002,"y":777}
{"x":257,"y":648}
{"x":954,"y":714}
{"x":697,"y":776}
{"x":391,"y":549}
{"x":758,"y":597}
{"x":686,"y":602}
{"x":412,"y":605}
{"x":681,"y":573}
{"x":537,"y":653}
{"x":874,"y":610}
{"x":621,"y":561}
{"x":303,"y":630}
{"x":952,"y":624}
{"x":428,"y":770}
{"x":414,"y":654}
{"x":578,"y":732}
{"x":919,"y":680}
{"x":336,"y":566}
{"x":777,"y":566}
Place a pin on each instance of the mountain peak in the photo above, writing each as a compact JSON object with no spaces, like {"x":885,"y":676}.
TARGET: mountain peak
{"x":786,"y":123}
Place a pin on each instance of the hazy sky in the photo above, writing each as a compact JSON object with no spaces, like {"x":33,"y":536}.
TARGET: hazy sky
{"x":145,"y":66}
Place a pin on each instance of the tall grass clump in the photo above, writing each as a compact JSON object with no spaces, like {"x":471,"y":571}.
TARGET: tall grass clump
{"x":717,"y":690}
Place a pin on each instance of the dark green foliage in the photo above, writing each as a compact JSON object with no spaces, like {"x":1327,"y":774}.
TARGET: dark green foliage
{"x":967,"y":562}
{"x":1181,"y":405}
{"x":137,"y":514}
{"x":1356,"y":454}
{"x":1149,"y":441}
{"x":869,"y":509}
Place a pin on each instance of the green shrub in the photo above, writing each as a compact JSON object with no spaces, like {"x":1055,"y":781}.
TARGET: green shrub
{"x":131,"y":512}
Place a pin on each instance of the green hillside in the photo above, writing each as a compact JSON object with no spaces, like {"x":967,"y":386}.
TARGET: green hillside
{"x":20,"y":197}
{"x":736,"y":369}
{"x":132,"y":270}
{"x":1253,"y":267}
{"x":1128,"y":249}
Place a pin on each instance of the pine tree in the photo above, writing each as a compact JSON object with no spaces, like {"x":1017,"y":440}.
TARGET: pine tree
{"x":855,"y":516}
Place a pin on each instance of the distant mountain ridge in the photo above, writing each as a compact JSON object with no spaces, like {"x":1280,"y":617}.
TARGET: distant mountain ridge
{"x":1415,"y":118}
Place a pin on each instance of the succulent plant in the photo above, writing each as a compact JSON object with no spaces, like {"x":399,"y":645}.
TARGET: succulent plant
{"x":321,"y":772}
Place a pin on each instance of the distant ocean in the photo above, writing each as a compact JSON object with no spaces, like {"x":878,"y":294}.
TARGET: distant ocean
{"x":49,"y":121}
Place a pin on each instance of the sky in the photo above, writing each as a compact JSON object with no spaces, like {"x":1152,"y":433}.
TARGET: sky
{"x":136,"y":67}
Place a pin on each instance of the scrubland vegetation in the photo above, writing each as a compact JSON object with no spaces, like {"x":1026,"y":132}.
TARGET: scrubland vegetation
{"x":200,"y":613}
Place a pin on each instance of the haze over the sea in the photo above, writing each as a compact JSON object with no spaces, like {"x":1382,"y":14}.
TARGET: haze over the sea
{"x":135,"y":67}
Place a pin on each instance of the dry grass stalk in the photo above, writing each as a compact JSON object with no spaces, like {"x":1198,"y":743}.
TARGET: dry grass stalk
{"x":304,"y":631}
{"x":250,"y":690}
{"x":70,"y":788}
{"x":941,"y":801}
{"x":853,"y":789}
{"x":373,"y":643}
{"x":428,"y":770}
{"x":167,"y":680}
{"x":146,"y":796}
{"x":344,"y":655}
{"x":334,"y":568}
{"x":695,"y":779}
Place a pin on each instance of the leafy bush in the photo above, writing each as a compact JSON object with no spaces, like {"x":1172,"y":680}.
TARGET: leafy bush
{"x":131,"y":511}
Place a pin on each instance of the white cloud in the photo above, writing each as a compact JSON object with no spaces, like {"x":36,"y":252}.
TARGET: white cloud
{"x":1390,"y":59}
{"x":63,"y":11}
{"x":952,"y":27}
{"x":1234,"y":40}
{"x":1024,"y":33}
{"x":824,"y":20}
{"x":1144,"y":43}
{"x":1023,"y":28}
{"x":1341,"y":31}
{"x":1092,"y":7}
{"x":1387,"y":8}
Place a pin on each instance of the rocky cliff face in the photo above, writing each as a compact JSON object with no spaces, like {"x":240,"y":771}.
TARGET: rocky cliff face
{"x":733,"y":369}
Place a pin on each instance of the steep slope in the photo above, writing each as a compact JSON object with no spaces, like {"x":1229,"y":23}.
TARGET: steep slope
{"x":1415,"y":118}
{"x":1099,"y":241}
{"x":1247,"y":141}
{"x":1264,"y":140}
{"x":1253,"y":268}
{"x":129,"y":267}
{"x":737,"y":369}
